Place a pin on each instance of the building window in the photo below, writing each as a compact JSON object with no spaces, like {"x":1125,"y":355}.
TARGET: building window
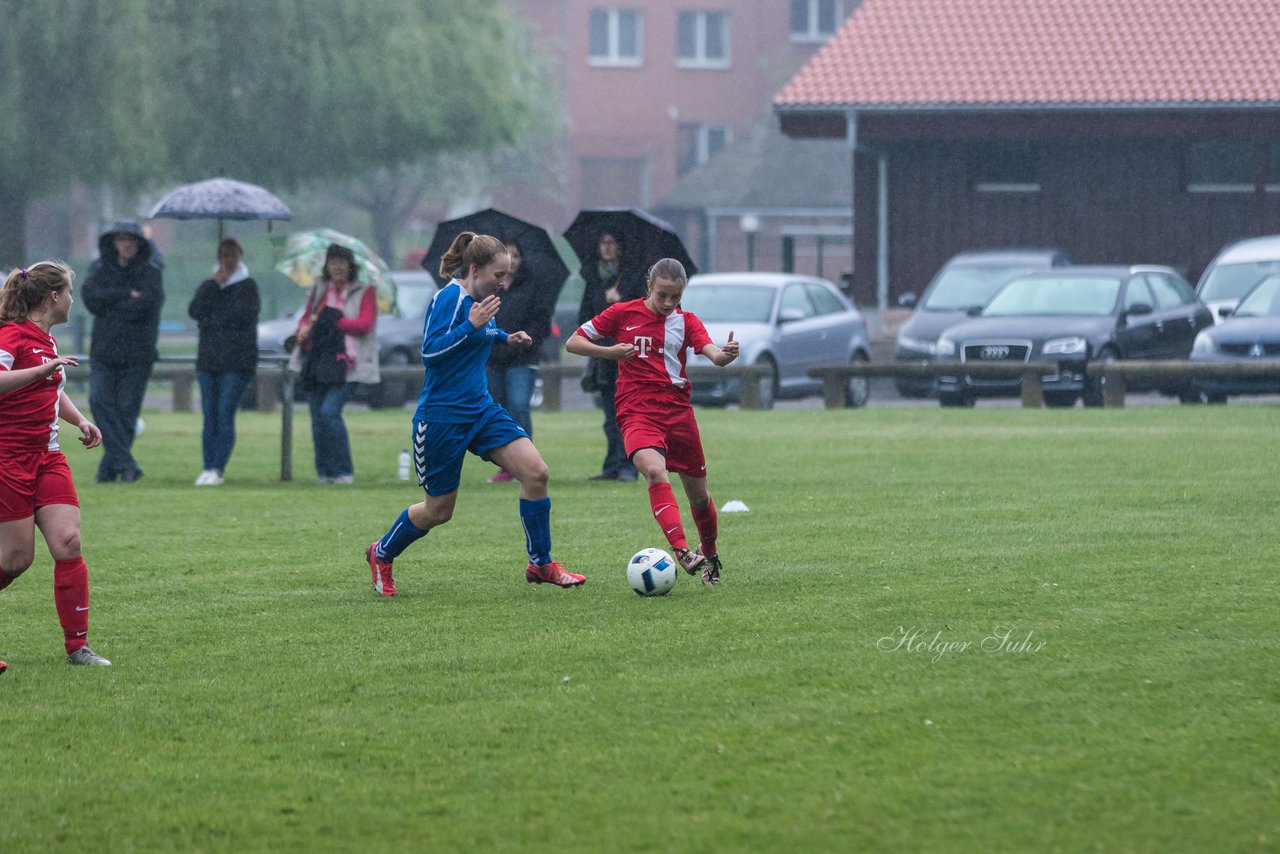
{"x":615,"y":37}
{"x":702,"y":40}
{"x":1220,"y":167}
{"x":815,"y":20}
{"x":695,"y":144}
{"x":1006,"y":169}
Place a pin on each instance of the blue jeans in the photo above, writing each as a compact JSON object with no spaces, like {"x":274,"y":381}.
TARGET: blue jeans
{"x":115,"y":398}
{"x":220,"y":393}
{"x":329,"y":431}
{"x":512,"y":388}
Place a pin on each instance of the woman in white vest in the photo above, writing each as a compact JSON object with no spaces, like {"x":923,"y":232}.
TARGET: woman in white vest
{"x":337,"y":347}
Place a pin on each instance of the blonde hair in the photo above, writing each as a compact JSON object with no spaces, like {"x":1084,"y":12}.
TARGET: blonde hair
{"x":667,"y":268}
{"x":469,"y":249}
{"x":26,"y":288}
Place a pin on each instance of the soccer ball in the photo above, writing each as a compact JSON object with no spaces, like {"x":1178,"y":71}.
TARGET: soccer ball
{"x":652,"y":572}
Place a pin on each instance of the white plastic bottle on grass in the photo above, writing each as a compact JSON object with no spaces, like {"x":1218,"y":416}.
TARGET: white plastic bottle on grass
{"x":402,"y":470}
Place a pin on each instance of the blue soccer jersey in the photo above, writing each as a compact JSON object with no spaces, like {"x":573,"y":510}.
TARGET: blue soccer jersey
{"x":455,"y":353}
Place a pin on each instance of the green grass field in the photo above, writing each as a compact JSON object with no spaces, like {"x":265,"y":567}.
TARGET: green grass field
{"x":845,"y":689}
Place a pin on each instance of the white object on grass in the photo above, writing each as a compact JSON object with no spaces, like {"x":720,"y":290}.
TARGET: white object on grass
{"x":734,"y":506}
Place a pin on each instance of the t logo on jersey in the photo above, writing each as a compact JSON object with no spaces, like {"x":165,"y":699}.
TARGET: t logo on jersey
{"x":643,"y":343}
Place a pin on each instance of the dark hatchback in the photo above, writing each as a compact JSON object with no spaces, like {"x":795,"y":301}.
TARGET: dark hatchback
{"x":1249,"y":331}
{"x":966,"y":281}
{"x":1073,"y":316}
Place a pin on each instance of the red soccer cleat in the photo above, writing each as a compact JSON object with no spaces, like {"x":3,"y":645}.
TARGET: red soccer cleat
{"x":380,"y":571}
{"x":552,"y":573}
{"x":2,"y":666}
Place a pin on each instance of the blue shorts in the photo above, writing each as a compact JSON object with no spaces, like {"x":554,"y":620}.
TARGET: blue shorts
{"x":440,"y":448}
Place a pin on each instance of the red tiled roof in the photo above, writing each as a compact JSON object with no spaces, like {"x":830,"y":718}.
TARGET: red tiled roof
{"x":915,"y":53}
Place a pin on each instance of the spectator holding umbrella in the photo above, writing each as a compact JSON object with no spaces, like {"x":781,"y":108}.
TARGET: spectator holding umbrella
{"x":336,"y":348}
{"x":609,"y":279}
{"x":225,"y":308}
{"x":124,"y":292}
{"x":513,"y":371}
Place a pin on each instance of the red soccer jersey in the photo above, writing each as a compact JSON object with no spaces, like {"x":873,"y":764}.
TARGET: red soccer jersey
{"x":662,"y":347}
{"x":29,"y":415}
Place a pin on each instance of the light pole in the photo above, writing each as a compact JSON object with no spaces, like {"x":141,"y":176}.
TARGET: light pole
{"x":749,"y":224}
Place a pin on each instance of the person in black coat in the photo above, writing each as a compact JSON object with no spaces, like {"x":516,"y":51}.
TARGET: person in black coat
{"x":612,"y":278}
{"x":225,"y":309}
{"x":513,"y":371}
{"x":124,"y":292}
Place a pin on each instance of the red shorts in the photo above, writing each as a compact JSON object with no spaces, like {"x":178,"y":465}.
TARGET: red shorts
{"x":671,"y":429}
{"x":30,"y":480}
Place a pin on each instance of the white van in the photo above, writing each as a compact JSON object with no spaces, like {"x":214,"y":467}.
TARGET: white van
{"x":1236,"y":269}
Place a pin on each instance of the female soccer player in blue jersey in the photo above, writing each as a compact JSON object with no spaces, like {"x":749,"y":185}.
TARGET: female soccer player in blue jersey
{"x":457,"y":414}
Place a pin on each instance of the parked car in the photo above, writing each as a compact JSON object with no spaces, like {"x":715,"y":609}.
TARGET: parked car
{"x":784,"y":322}
{"x":1250,"y":331}
{"x":1073,"y":316}
{"x":1236,"y":269}
{"x":967,"y":280}
{"x":399,"y":337}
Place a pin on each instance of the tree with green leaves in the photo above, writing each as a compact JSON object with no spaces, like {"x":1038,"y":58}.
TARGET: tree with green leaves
{"x":278,"y":92}
{"x":76,"y":103}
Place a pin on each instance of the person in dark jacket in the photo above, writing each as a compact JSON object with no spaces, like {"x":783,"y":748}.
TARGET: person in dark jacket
{"x":225,"y":309}
{"x":612,"y":278}
{"x":513,"y":371}
{"x":124,"y":293}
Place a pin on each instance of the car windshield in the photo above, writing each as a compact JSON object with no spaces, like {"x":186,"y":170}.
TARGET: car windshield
{"x":1262,"y":301}
{"x":1232,"y":281}
{"x":729,"y":303}
{"x":412,"y":300}
{"x":1065,"y":295}
{"x":959,"y":288}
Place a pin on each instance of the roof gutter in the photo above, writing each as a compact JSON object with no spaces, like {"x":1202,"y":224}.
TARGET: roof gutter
{"x":985,"y":107}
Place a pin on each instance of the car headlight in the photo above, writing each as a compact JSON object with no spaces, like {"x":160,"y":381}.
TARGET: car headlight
{"x":945,"y":347}
{"x":1203,"y":346}
{"x":918,"y":344}
{"x":1065,"y":346}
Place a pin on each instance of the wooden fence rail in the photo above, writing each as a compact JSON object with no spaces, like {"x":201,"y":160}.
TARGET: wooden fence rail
{"x":1114,"y":374}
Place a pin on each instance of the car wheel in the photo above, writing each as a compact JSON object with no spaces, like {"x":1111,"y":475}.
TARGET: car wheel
{"x":857,"y":389}
{"x":1059,"y":399}
{"x":392,"y":394}
{"x":769,"y":385}
{"x":955,"y":400}
{"x":1096,"y":387}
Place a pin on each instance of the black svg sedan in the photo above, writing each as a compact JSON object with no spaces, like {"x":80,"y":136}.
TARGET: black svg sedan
{"x":1073,"y":316}
{"x":1250,"y":331}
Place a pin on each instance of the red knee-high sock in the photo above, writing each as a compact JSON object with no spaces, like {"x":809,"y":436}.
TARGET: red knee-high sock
{"x":71,"y":596}
{"x":708,"y":526}
{"x":667,"y":512}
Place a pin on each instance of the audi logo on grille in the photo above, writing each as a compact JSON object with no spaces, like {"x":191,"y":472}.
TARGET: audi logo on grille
{"x":994,"y":351}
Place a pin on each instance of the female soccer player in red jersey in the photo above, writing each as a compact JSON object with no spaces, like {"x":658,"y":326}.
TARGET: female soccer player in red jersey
{"x":36,"y":490}
{"x":652,"y":338}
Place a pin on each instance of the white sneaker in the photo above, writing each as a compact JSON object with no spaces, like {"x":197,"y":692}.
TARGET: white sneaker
{"x":345,"y":478}
{"x":203,"y":479}
{"x":215,"y":479}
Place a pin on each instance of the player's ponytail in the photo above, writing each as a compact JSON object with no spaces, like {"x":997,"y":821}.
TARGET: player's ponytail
{"x":26,"y":288}
{"x":667,"y":268}
{"x":470,"y":249}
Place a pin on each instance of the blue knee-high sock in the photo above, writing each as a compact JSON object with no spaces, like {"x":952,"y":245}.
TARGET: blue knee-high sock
{"x":536,"y":518}
{"x":402,"y":534}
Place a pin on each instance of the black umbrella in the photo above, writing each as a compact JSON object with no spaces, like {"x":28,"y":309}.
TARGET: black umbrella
{"x":221,"y":199}
{"x":645,"y":238}
{"x":541,"y":262}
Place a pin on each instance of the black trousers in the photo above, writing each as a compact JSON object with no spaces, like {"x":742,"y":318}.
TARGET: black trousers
{"x":615,"y":457}
{"x":115,"y":397}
